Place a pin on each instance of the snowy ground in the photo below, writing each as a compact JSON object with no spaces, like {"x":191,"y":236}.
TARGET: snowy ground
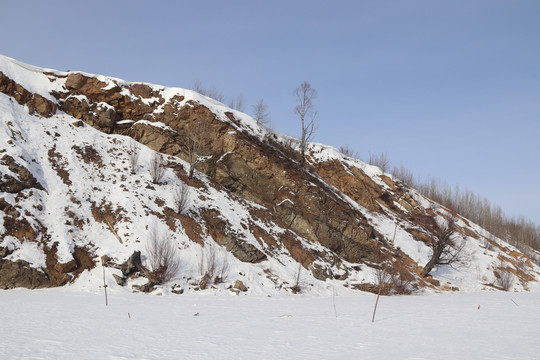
{"x":68,"y":324}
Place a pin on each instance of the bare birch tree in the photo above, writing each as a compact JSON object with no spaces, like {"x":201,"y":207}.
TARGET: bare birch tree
{"x":260,"y":112}
{"x":194,"y":145}
{"x":305,"y":110}
{"x":133,"y":154}
{"x":211,"y":93}
{"x":238,"y":103}
{"x":381,"y":160}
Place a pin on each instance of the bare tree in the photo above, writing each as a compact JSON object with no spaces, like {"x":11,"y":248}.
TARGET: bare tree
{"x":212,"y":268}
{"x":157,"y":168}
{"x":447,"y":250}
{"x":195,"y":145}
{"x":198,"y":87}
{"x":211,"y":93}
{"x":382,"y":278}
{"x":181,"y":198}
{"x":305,"y":95}
{"x":193,"y":148}
{"x":238,"y":103}
{"x":348,"y":151}
{"x":162,"y":258}
{"x":260,"y":111}
{"x":297,"y":287}
{"x":381,"y":160}
{"x":503,"y":276}
{"x":133,"y":154}
{"x":404,"y":174}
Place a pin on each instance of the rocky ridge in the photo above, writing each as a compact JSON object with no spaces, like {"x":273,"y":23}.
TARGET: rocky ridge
{"x":335,"y":220}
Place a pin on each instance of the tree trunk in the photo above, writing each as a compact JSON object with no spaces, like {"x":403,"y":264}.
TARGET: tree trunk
{"x":433,"y":261}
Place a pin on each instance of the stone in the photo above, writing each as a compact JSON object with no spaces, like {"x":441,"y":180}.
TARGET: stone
{"x":105,"y":259}
{"x":133,"y":264}
{"x":4,"y":251}
{"x":240,"y":286}
{"x":42,"y":106}
{"x":119,"y":279}
{"x":21,"y":274}
{"x":234,"y":291}
{"x":65,"y":267}
{"x":25,"y":178}
{"x":8,"y":208}
{"x":148,"y":287}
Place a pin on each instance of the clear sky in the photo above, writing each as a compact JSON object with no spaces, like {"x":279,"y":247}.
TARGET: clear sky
{"x":449,"y":89}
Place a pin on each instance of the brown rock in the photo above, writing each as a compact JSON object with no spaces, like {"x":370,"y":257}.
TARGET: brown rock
{"x":133,"y":264}
{"x":21,"y":274}
{"x":4,"y":251}
{"x":42,"y":106}
{"x":65,"y":268}
{"x":221,"y":232}
{"x":119,"y":279}
{"x":25,"y":178}
{"x":19,"y":228}
{"x":240,"y":286}
{"x":8,"y":209}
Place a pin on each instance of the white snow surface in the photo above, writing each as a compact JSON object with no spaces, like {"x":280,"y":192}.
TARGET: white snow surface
{"x":69,"y":324}
{"x":28,"y":139}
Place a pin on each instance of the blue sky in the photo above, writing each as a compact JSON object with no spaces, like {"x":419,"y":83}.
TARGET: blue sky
{"x":449,"y":89}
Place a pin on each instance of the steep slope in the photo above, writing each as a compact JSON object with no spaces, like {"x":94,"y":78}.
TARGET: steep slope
{"x":70,"y":197}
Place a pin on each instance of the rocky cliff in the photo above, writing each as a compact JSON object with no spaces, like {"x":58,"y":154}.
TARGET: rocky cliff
{"x":76,"y":155}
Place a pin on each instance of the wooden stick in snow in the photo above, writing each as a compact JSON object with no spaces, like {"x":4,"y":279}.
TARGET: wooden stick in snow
{"x":113,"y":231}
{"x":104,"y":284}
{"x":378,"y":296}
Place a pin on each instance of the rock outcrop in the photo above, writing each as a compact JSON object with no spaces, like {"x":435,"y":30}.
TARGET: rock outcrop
{"x":320,"y":214}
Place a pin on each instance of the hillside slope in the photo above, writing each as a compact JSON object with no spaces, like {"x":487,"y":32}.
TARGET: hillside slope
{"x":70,"y":197}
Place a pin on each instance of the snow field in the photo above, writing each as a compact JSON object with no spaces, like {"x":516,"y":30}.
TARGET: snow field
{"x":67,"y":324}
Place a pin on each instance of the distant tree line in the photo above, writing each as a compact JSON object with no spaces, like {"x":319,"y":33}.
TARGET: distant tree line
{"x":519,"y":232}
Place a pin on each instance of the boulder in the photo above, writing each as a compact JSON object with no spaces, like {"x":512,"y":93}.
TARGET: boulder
{"x":20,"y":274}
{"x":132,"y":265}
{"x":119,"y":280}
{"x":240,"y":286}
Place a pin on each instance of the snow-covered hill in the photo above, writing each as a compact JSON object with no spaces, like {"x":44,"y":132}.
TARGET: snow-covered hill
{"x":76,"y":154}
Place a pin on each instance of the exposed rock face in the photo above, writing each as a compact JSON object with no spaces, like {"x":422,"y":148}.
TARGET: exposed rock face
{"x":25,"y":179}
{"x":254,"y":170}
{"x":21,"y":274}
{"x":322,"y":209}
{"x":35,"y":102}
{"x":98,"y":92}
{"x":221,"y":232}
{"x":99,"y":115}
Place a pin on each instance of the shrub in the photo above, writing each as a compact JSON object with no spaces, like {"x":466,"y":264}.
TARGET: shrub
{"x":348,"y":151}
{"x":133,"y":154}
{"x":181,"y":198}
{"x":212,"y":269}
{"x":503,"y":277}
{"x":381,"y":160}
{"x":163,"y":262}
{"x":157,"y":168}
